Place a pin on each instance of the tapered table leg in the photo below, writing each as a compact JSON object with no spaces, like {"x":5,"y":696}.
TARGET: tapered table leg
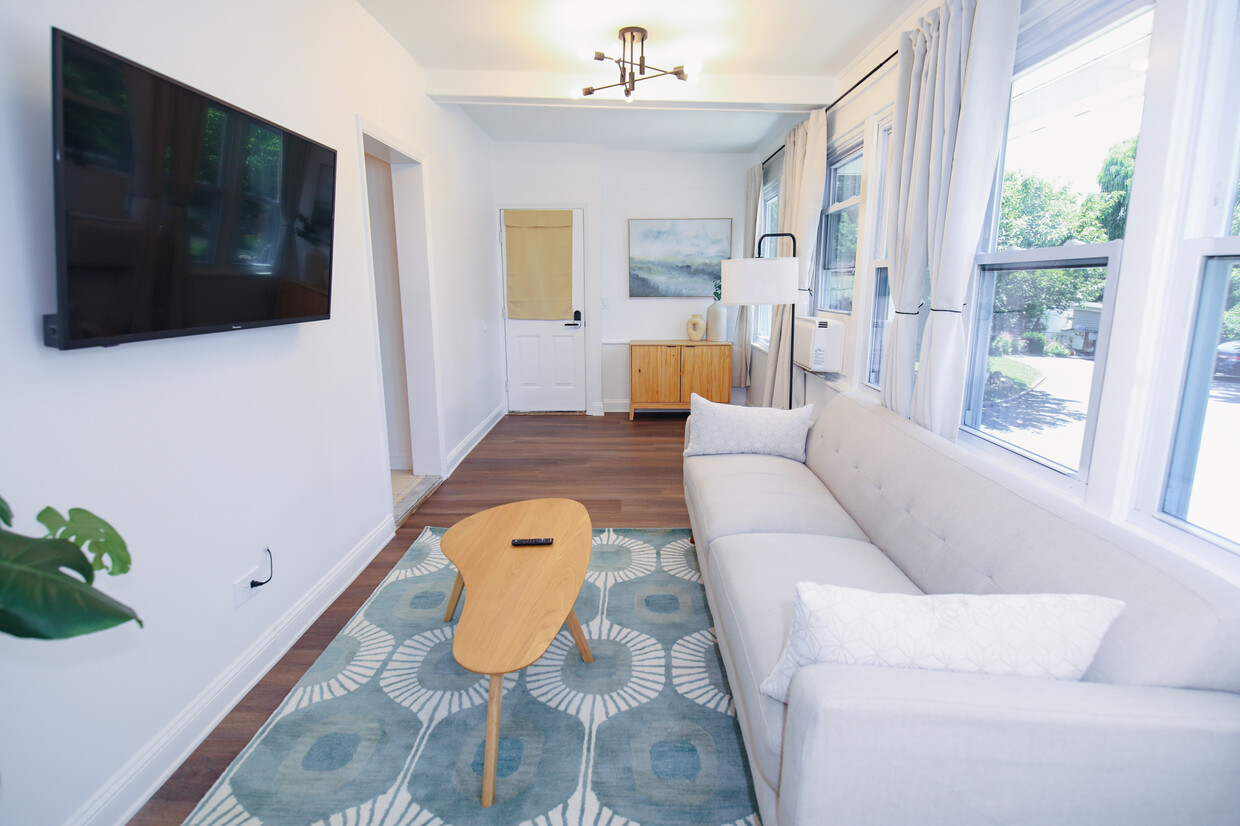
{"x":454,"y":597}
{"x":579,"y":636}
{"x":490,"y":755}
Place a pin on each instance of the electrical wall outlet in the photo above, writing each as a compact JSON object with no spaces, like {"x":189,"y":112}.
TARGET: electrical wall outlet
{"x":241,"y":588}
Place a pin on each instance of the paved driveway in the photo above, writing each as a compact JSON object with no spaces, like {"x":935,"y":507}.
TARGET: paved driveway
{"x":1213,"y":505}
{"x":1050,"y":419}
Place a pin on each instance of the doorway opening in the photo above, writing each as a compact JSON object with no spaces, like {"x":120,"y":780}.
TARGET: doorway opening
{"x":396,"y":219}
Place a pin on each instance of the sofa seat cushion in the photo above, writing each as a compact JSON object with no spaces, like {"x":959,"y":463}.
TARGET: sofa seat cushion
{"x":749,"y":493}
{"x":752,"y":582}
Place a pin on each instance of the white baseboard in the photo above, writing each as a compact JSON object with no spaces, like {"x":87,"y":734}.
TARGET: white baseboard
{"x":616,"y":405}
{"x":126,"y":791}
{"x":471,"y":441}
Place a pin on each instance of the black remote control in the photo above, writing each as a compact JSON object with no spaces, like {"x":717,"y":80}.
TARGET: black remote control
{"x":545,"y":540}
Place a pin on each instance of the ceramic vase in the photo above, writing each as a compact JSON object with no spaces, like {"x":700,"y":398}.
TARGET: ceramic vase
{"x":696,"y":327}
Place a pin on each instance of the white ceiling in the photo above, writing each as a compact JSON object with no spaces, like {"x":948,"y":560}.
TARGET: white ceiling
{"x":511,"y":63}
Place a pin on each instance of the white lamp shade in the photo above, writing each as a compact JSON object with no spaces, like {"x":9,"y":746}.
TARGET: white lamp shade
{"x":759,"y":280}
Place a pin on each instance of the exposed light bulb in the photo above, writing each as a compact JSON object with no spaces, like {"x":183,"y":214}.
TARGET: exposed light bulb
{"x":693,"y":72}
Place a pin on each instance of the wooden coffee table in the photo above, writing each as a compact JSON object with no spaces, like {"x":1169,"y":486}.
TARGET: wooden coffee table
{"x":519,"y":597}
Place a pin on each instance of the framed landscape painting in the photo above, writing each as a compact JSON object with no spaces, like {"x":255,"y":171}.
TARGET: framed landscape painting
{"x":676,"y":258}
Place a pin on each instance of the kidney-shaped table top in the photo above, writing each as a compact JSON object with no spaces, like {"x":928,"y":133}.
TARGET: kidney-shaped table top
{"x":516,"y":598}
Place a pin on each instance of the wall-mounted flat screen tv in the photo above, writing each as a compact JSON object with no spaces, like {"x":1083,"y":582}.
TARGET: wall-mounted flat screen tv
{"x":177,"y":214}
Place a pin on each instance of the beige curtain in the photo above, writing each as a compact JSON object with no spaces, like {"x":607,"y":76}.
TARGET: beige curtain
{"x":955,"y":74}
{"x":800,"y":203}
{"x":538,"y":245}
{"x":742,"y":344}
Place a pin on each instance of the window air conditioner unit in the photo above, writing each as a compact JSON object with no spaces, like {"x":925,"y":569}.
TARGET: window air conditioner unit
{"x":818,"y":345}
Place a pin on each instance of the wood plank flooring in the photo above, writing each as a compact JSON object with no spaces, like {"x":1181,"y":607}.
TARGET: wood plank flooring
{"x":627,"y":474}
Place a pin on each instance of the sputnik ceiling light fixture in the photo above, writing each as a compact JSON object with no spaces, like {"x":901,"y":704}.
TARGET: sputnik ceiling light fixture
{"x":632,"y":63}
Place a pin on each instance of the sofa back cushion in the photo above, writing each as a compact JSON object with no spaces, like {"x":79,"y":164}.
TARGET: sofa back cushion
{"x":957,"y":523}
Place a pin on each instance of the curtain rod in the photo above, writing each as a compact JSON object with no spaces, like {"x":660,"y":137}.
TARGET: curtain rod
{"x":851,"y":89}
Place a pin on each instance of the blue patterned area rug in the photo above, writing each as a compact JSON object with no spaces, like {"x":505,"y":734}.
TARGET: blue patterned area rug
{"x":386,"y":729}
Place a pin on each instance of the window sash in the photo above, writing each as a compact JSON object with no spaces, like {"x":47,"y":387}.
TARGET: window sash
{"x":828,"y":269}
{"x":978,"y":321}
{"x":1215,"y":258}
{"x":881,"y":313}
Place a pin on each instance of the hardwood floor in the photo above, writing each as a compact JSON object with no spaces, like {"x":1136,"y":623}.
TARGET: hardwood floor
{"x":627,"y":474}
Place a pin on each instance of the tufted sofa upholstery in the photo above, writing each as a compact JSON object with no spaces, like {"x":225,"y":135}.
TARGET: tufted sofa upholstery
{"x":1150,"y":735}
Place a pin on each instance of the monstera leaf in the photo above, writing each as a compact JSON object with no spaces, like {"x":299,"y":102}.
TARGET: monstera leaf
{"x":90,"y":533}
{"x":40,"y":597}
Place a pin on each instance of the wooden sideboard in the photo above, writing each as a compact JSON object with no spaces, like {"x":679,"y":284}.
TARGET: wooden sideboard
{"x":662,"y":374}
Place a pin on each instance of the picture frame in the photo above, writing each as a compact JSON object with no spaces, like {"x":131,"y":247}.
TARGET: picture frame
{"x":677,"y":257}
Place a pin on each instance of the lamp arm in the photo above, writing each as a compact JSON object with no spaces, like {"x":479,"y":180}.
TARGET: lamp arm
{"x":778,"y":235}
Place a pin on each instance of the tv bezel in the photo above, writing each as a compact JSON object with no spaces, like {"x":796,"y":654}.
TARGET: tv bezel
{"x":55,"y":328}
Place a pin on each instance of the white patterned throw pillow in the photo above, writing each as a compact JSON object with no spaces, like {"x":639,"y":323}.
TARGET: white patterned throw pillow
{"x":1030,"y":635}
{"x":731,"y":428}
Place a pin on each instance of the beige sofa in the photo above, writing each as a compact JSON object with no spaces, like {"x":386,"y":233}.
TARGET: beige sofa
{"x":1150,"y":735}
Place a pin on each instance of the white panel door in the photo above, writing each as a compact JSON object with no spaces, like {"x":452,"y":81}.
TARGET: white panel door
{"x":547,"y":359}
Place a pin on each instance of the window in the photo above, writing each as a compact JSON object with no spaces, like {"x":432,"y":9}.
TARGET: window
{"x":768,"y":221}
{"x":1206,"y":451}
{"x":837,"y":234}
{"x":882,"y":311}
{"x":1040,"y":316}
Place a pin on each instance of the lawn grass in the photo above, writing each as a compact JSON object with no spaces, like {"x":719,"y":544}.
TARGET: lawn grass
{"x":1017,"y":371}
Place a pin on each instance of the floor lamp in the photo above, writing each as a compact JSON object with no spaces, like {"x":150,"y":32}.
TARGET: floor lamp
{"x":765,"y":281}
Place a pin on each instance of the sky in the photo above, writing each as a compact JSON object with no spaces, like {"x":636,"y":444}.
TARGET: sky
{"x":1067,"y":112}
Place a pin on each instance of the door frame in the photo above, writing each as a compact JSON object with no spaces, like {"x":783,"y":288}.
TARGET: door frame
{"x":417,"y":294}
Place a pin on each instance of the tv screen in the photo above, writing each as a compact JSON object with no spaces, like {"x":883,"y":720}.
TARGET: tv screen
{"x":178,"y":214}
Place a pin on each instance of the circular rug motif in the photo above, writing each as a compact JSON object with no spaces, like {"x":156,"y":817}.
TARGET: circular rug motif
{"x":628,"y":670}
{"x":348,"y":663}
{"x":425,"y":678}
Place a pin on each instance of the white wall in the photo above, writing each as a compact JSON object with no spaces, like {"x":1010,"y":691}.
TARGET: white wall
{"x":204,"y":450}
{"x":614,"y":186}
